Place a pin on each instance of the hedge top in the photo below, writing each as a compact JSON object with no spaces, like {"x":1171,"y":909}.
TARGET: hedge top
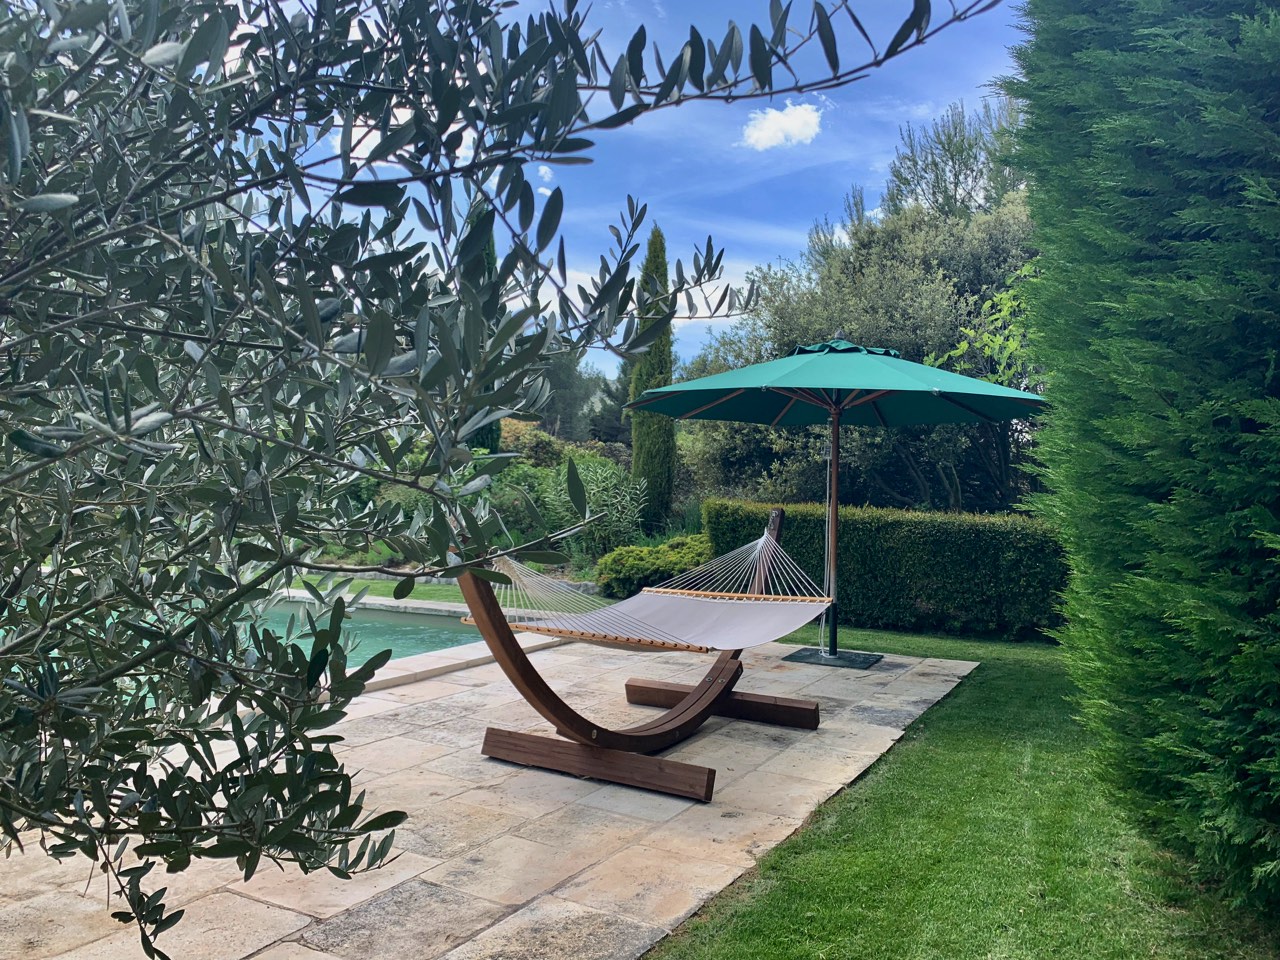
{"x":869,"y":386}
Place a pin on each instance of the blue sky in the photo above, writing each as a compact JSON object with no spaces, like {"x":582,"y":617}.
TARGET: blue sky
{"x":758,"y":180}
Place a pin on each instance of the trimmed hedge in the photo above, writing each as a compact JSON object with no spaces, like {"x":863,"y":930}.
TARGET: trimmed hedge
{"x":628,"y":570}
{"x":944,"y":572}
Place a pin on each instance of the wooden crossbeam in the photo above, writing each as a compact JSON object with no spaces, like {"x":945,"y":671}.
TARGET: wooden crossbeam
{"x":782,"y":711}
{"x":614,"y":766}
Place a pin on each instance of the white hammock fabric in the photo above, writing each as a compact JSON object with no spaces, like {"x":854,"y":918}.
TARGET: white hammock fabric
{"x":749,"y":596}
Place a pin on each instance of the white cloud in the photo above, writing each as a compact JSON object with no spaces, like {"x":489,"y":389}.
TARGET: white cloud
{"x":545,"y":173}
{"x":769,"y":128}
{"x":544,"y":191}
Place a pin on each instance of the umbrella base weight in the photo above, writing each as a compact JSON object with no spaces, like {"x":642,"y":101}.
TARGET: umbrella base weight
{"x":852,"y":659}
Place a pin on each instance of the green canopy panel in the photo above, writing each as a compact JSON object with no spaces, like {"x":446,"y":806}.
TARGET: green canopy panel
{"x":867,"y":386}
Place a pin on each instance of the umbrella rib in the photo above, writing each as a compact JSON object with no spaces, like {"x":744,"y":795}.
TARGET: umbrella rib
{"x":644,"y":402}
{"x":803,"y":396}
{"x":719,"y":400}
{"x":869,"y":398}
{"x":968,"y":409}
{"x":791,"y":402}
{"x":875,"y":408}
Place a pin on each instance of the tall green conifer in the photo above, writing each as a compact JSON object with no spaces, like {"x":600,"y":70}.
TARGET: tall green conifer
{"x":1152,"y":144}
{"x":653,"y":437}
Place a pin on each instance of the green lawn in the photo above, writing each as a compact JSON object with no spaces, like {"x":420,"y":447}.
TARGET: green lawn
{"x":423,"y":591}
{"x":980,"y":835}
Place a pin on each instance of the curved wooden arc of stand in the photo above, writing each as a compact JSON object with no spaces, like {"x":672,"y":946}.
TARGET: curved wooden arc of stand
{"x":676,"y":724}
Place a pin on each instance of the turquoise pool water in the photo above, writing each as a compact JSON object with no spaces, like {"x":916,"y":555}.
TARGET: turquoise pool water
{"x":368,"y":631}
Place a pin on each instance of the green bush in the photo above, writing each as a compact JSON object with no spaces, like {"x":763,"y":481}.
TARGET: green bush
{"x":948,"y":572}
{"x":518,"y":497}
{"x":536,"y":447}
{"x":616,"y":498}
{"x":628,"y":570}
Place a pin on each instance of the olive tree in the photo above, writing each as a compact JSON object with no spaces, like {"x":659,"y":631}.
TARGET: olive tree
{"x":244,"y":267}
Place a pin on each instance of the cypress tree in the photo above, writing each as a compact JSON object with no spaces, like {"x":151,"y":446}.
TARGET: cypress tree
{"x":653,"y":437}
{"x":1151,"y":139}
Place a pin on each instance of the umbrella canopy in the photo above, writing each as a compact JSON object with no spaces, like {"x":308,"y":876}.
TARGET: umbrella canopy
{"x":866,"y":385}
{"x":838,"y":382}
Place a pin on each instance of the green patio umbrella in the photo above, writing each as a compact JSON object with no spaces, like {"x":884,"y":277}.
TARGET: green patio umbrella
{"x":839,"y":382}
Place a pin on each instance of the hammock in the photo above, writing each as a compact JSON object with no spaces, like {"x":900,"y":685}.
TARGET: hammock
{"x":753,"y":595}
{"x":749,"y":596}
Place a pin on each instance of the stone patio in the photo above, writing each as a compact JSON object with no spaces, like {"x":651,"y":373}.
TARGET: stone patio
{"x":502,"y":861}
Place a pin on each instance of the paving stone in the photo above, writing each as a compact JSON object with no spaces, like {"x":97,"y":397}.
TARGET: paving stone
{"x":763,"y":735}
{"x":723,"y":752}
{"x":554,"y":929}
{"x":30,"y":874}
{"x":50,"y":923}
{"x":419,"y":691}
{"x":848,"y":686}
{"x":422,"y":714}
{"x":388,"y":755}
{"x":716,"y":831}
{"x":356,"y":733}
{"x":478,"y":699}
{"x":450,"y":829}
{"x":776,"y":793}
{"x":471,"y":765}
{"x":584,"y":829}
{"x":651,"y":885}
{"x":585,"y":695}
{"x":529,"y":794}
{"x":510,"y":869}
{"x":642,"y":804}
{"x":959,"y":668}
{"x":292,"y":951}
{"x":457,"y":733}
{"x":512,"y":716}
{"x":220,"y":927}
{"x":321,"y":894}
{"x":822,"y":763}
{"x":414,"y":920}
{"x":367,"y":706}
{"x":201,"y":878}
{"x":891,"y":714}
{"x":415,"y":790}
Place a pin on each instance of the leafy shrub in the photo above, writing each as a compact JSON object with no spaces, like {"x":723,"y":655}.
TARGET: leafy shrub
{"x":615,"y":497}
{"x":518,"y":497}
{"x":536,"y":447}
{"x":619,"y":453}
{"x":951,"y":572}
{"x":628,"y":570}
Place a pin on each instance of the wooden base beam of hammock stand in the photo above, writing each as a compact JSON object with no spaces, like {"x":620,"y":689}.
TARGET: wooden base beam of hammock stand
{"x":780,"y":711}
{"x":615,"y":766}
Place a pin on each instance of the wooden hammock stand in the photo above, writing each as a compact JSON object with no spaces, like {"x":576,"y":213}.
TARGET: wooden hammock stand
{"x":622,"y":756}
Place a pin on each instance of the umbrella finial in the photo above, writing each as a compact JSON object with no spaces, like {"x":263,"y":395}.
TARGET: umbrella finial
{"x":840,"y":335}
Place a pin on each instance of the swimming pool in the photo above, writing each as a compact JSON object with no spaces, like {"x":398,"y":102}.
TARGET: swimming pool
{"x":369,"y":630}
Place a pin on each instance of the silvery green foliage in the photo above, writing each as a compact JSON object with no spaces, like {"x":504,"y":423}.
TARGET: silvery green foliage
{"x":244,"y":265}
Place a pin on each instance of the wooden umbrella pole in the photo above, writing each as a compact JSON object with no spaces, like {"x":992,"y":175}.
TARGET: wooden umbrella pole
{"x":833,"y":506}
